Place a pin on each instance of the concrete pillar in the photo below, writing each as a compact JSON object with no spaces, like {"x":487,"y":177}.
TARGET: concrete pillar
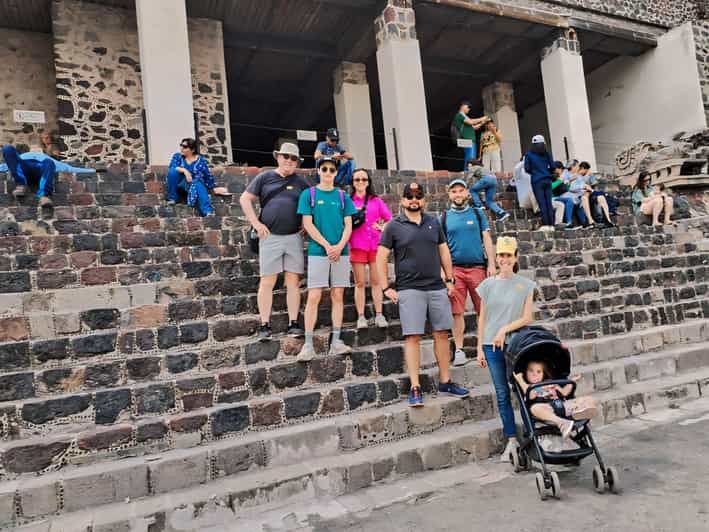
{"x":401,"y":86}
{"x":166,"y":77}
{"x":353,"y":111}
{"x":566,"y":99}
{"x":499,"y":104}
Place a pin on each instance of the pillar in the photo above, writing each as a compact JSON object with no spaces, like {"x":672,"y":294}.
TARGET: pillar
{"x":499,"y":104}
{"x":166,"y":77}
{"x":566,"y":99}
{"x":403,"y":98}
{"x":353,"y":111}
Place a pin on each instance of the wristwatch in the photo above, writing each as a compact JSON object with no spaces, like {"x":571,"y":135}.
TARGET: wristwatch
{"x":451,"y":281}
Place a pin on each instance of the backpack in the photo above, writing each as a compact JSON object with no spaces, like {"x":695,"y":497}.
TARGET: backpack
{"x":455,"y":132}
{"x":312,"y":198}
{"x":480,"y":226}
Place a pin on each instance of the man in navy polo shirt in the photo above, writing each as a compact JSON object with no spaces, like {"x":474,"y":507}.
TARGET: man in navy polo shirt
{"x":420,"y":252}
{"x":473,"y":255}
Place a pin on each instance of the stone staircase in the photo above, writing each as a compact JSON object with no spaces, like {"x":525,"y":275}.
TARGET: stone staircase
{"x":133,"y":390}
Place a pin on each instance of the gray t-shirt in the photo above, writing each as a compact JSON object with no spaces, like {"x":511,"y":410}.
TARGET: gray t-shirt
{"x":504,"y":302}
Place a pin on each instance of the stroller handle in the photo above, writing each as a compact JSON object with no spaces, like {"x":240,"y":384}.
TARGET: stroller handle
{"x":558,"y":382}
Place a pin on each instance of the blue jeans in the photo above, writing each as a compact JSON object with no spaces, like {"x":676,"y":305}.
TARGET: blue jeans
{"x":498,"y":371}
{"x":487,"y":183}
{"x":177,"y":183}
{"x":344,"y":173}
{"x":568,"y":208}
{"x":27,"y":172}
{"x":469,"y":154}
{"x":542,"y":191}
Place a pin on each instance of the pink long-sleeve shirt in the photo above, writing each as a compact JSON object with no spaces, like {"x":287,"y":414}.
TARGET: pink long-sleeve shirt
{"x":366,"y":236}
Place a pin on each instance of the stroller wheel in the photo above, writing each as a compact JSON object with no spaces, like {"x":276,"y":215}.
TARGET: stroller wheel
{"x":539,"y":479}
{"x":613,"y":479}
{"x":599,"y":482}
{"x":555,"y":485}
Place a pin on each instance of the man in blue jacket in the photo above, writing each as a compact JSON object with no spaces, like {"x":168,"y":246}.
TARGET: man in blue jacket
{"x":539,"y":164}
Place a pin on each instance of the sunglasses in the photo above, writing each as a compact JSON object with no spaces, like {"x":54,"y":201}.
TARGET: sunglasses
{"x":293,"y":158}
{"x":410,"y":196}
{"x":328,"y":169}
{"x":360,"y":180}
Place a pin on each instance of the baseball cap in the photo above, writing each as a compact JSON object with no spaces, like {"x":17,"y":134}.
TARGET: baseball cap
{"x":333,"y":134}
{"x":538,"y":139}
{"x":457,"y":181}
{"x":326,"y":159}
{"x":506,"y":244}
{"x":412,"y":188}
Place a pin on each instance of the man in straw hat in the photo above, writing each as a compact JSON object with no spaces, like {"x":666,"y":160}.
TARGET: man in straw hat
{"x":279,"y":231}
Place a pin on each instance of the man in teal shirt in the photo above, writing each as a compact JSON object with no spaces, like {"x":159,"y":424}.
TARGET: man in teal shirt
{"x":327,"y":217}
{"x":467,"y":129}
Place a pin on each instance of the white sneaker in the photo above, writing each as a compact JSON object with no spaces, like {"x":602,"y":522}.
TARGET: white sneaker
{"x":362,"y":322}
{"x":339,"y":347}
{"x":546,"y":228}
{"x":307,"y":353}
{"x":459,"y":359}
{"x":510,"y":447}
{"x":381,"y":321}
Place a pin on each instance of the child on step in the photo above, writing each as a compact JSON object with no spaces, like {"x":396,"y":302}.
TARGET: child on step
{"x":549,"y":403}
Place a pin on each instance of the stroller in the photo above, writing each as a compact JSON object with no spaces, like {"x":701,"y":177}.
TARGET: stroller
{"x":537,"y":343}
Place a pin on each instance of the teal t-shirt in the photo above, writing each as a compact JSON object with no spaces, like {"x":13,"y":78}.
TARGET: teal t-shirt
{"x":464,"y":234}
{"x":504,"y":302}
{"x":328,"y":216}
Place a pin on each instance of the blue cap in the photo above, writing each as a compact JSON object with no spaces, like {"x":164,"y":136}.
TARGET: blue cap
{"x":457,"y":181}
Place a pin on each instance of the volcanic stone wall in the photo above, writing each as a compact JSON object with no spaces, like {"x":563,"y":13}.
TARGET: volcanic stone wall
{"x":98,"y":83}
{"x":27,"y":82}
{"x":668,"y":13}
{"x":701,"y":43}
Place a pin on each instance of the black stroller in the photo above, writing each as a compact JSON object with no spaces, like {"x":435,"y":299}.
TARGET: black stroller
{"x":537,"y":343}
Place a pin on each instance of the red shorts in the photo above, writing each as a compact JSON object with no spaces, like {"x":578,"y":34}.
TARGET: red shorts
{"x":361,"y":256}
{"x":466,"y":281}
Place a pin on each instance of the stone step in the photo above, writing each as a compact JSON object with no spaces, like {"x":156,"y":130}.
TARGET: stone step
{"x":111,"y":499}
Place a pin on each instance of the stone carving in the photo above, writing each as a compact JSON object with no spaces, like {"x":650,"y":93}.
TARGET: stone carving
{"x":397,"y":22}
{"x":498,"y":95}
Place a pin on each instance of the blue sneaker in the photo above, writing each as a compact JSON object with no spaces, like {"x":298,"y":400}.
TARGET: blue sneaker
{"x":415,"y":397}
{"x":453,"y":389}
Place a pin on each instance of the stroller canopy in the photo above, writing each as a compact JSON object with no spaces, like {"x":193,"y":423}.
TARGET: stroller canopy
{"x":537,"y":343}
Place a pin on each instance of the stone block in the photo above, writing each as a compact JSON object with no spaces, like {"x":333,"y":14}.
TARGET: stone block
{"x":145,"y":317}
{"x":181,"y":362}
{"x":298,"y":406}
{"x":359,"y":476}
{"x":156,"y":398}
{"x":143,"y":368}
{"x":692,"y":332}
{"x":145,"y":340}
{"x":262,"y":351}
{"x":101,"y":318}
{"x":42,"y":325}
{"x":13,"y":329}
{"x":39,"y":412}
{"x":48,"y":350}
{"x":150,"y":430}
{"x":185,"y":310}
{"x":362,"y":363}
{"x":258,"y":381}
{"x":109,"y":404}
{"x":359,"y":395}
{"x":266,"y":414}
{"x":602,"y":379}
{"x":7,"y":506}
{"x":104,"y":438}
{"x":193,"y":333}
{"x":11,"y":304}
{"x":17,"y":386}
{"x":34,"y":457}
{"x":38,"y":499}
{"x":187,"y":422}
{"x":390,"y":360}
{"x":409,"y":462}
{"x":142,"y":294}
{"x":388,"y":391}
{"x":95,"y":344}
{"x":333,"y":402}
{"x":100,"y":275}
{"x":231,"y":379}
{"x":298,"y":447}
{"x":328,"y":369}
{"x":228,"y":420}
{"x":67,"y":323}
{"x":426,"y":418}
{"x":13,"y":282}
{"x":99,"y":375}
{"x":288,"y":375}
{"x":652,"y":341}
{"x":197,"y":400}
{"x":113,"y":486}
{"x":178,"y":473}
{"x":227,"y":329}
{"x":437,"y":456}
{"x":238,"y":458}
{"x":168,"y":337}
{"x":382,"y":468}
{"x":15,"y":356}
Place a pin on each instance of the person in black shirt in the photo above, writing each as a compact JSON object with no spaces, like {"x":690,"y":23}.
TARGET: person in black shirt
{"x":280,"y":239}
{"x":420,"y":251}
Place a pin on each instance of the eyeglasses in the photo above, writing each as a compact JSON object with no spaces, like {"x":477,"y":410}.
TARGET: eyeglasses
{"x":360,"y":180}
{"x":410,"y":195}
{"x":328,"y":169}
{"x":287,"y":157}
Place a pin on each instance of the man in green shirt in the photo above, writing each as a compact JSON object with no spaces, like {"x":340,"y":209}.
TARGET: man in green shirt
{"x":327,"y":217}
{"x":467,"y":129}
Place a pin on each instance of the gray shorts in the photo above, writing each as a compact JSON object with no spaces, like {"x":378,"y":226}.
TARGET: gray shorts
{"x":415,"y":305}
{"x":325,"y":274}
{"x":281,"y":253}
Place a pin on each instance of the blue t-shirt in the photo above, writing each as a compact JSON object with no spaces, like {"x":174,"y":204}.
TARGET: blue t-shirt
{"x":463,"y":232}
{"x":328,"y":216}
{"x":324,"y":148}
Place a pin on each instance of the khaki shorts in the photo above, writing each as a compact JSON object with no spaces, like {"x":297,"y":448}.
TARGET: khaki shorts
{"x":281,"y":253}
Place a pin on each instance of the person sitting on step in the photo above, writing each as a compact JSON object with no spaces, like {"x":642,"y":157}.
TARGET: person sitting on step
{"x":35,"y":168}
{"x":331,"y":147}
{"x":650,"y":202}
{"x":189,"y":174}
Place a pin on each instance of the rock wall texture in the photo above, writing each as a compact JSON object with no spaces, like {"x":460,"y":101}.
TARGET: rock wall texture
{"x":98,"y":83}
{"x":668,"y":13}
{"x":27,"y":82}
{"x":701,"y":42}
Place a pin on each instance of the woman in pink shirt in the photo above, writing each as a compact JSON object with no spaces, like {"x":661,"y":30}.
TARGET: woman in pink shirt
{"x":363,"y":245}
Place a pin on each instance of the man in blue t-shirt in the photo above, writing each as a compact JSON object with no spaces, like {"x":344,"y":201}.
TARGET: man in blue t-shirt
{"x":330,"y":147}
{"x":327,"y":217}
{"x":468,"y":236}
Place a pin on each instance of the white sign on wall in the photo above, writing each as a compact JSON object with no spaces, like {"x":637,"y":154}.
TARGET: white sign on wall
{"x":465,"y":143}
{"x":306,"y":134}
{"x":29,"y":117}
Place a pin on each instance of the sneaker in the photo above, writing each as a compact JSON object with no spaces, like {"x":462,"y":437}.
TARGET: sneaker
{"x":415,"y":397}
{"x":381,"y":321}
{"x":546,"y":228}
{"x":307,"y":353}
{"x":338,"y":347}
{"x":453,"y":389}
{"x":575,"y":227}
{"x":264,"y":332}
{"x":566,"y":427}
{"x":294,"y":329}
{"x":45,"y":201}
{"x":19,"y":191}
{"x":510,"y":447}
{"x":171,"y":202}
{"x":362,"y":322}
{"x":503,"y":217}
{"x":459,"y":358}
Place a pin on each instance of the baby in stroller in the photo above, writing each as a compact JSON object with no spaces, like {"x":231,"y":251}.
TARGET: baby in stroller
{"x":549,"y":403}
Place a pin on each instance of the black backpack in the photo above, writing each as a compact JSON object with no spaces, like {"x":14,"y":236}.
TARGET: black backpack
{"x":455,"y":132}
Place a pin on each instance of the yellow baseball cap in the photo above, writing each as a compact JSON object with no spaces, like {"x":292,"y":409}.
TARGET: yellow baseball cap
{"x":506,"y":244}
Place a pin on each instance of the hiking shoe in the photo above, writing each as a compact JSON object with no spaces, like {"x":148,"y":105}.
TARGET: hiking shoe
{"x":381,"y":321}
{"x":415,"y":397}
{"x":307,"y":353}
{"x":45,"y":201}
{"x":19,"y":191}
{"x":453,"y":389}
{"x":362,"y":322}
{"x":264,"y":332}
{"x":459,"y":358}
{"x":294,"y":329}
{"x":338,"y":347}
{"x":503,"y":217}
